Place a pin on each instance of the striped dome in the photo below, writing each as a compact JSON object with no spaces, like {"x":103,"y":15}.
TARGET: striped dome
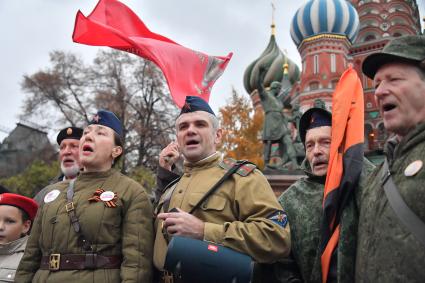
{"x":325,"y":17}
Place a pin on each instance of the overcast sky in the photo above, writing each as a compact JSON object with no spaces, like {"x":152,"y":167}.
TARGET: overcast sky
{"x":30,"y":29}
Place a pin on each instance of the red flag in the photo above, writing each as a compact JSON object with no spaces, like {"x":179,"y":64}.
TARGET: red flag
{"x":345,"y":160}
{"x":187,"y":72}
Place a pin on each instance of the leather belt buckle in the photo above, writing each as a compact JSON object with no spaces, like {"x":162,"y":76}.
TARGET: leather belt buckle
{"x":167,"y":277}
{"x":69,"y":206}
{"x":54,"y":262}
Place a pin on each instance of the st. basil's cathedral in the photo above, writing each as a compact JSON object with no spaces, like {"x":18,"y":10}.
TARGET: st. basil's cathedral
{"x":330,"y":35}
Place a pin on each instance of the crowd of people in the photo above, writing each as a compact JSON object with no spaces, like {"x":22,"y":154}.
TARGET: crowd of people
{"x":93,"y":224}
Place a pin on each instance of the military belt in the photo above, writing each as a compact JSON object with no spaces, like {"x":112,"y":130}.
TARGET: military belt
{"x":55,"y":262}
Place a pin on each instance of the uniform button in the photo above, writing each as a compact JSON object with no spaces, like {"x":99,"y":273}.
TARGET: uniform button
{"x":204,"y":206}
{"x":180,"y":191}
{"x":187,"y":175}
{"x":9,"y":276}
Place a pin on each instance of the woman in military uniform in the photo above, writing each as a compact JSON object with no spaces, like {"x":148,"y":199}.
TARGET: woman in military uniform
{"x":97,"y":228}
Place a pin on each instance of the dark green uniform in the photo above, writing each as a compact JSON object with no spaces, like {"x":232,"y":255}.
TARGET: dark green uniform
{"x":125,"y":230}
{"x":387,"y":251}
{"x":303,"y":202}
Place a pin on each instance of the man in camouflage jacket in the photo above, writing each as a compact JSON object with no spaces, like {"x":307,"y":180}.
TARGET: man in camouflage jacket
{"x":388,"y":250}
{"x":303,"y":201}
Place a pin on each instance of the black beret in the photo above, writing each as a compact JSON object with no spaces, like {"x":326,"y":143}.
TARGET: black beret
{"x":314,"y":118}
{"x":69,"y":133}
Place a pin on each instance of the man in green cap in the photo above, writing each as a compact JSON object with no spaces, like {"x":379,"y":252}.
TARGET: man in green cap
{"x":391,"y":233}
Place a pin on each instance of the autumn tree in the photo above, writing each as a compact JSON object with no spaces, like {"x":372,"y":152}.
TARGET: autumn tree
{"x":242,"y":129}
{"x":58,"y":94}
{"x":68,"y":93}
{"x":33,"y":179}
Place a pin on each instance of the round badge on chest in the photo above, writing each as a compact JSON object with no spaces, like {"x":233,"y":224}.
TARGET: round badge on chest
{"x":107,"y":196}
{"x":51,"y":196}
{"x":413,"y":168}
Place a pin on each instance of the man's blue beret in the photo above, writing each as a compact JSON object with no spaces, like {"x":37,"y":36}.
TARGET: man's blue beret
{"x":195,"y":103}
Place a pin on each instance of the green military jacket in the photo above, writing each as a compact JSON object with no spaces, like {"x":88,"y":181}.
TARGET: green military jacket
{"x":126,"y":230}
{"x":303,"y":202}
{"x":387,"y":251}
{"x":238,"y":215}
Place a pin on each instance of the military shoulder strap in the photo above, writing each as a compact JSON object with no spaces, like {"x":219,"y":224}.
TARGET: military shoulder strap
{"x":243,"y":170}
{"x":412,"y":222}
{"x":70,"y":209}
{"x":230,"y":172}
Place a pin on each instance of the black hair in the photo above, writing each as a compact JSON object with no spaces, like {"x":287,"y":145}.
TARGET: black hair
{"x":118,"y":142}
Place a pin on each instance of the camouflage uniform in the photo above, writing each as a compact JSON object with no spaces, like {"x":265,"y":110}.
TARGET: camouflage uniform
{"x":238,"y":215}
{"x":125,"y":230}
{"x":302,"y":202}
{"x":387,"y":251}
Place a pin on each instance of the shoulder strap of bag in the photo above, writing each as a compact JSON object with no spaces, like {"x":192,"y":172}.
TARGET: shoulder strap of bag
{"x":412,"y":222}
{"x":230,"y":172}
{"x":168,"y":191}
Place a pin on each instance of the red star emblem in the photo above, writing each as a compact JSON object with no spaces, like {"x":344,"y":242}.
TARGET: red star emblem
{"x":96,"y":118}
{"x":186,"y":106}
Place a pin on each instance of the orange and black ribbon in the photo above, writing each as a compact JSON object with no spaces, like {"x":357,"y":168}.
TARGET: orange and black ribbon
{"x":96,"y":198}
{"x":345,"y":162}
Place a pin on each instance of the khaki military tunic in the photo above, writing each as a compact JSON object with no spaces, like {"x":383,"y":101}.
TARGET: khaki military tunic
{"x":236,"y":215}
{"x":386,"y":250}
{"x":125,"y":230}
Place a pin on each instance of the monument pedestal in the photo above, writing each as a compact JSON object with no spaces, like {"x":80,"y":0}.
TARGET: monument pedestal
{"x":281,"y":181}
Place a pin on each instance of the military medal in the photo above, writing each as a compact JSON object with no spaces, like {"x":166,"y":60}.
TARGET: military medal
{"x":413,"y":168}
{"x":51,"y":196}
{"x":109,"y":198}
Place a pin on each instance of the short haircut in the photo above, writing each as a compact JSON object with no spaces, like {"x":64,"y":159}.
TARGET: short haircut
{"x":214,"y":121}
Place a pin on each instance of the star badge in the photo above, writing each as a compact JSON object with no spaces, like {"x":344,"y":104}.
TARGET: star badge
{"x":186,"y":106}
{"x":96,"y":118}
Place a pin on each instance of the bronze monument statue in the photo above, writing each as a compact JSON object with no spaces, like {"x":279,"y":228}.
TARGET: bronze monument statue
{"x":275,"y":129}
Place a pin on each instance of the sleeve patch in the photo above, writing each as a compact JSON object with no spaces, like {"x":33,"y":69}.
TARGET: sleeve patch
{"x":279,"y":217}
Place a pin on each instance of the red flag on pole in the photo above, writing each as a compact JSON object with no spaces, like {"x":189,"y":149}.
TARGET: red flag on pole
{"x":345,"y":161}
{"x":187,"y":72}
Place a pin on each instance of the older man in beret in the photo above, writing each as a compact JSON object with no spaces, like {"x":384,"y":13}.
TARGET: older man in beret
{"x":68,"y":140}
{"x":242,"y":214}
{"x":391,"y":244}
{"x":303,"y":202}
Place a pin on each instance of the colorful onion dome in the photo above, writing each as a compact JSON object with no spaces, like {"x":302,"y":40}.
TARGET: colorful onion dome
{"x":325,"y":17}
{"x":273,"y":60}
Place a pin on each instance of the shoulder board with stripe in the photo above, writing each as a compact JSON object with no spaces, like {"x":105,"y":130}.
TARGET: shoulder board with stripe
{"x":243,"y":171}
